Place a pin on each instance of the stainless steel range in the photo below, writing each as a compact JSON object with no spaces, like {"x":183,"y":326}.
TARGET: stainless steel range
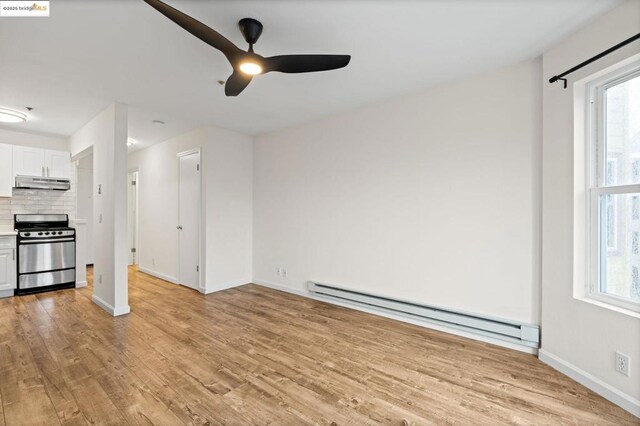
{"x":46,"y":252}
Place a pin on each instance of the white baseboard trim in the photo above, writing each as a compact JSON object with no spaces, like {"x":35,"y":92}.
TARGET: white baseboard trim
{"x":399,"y":317}
{"x":6,"y":293}
{"x":80,"y":284}
{"x":120,"y":310}
{"x":156,"y":274}
{"x":225,"y":286}
{"x":603,"y":389}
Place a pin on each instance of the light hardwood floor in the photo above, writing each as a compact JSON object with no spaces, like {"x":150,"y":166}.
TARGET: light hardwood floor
{"x":252,"y":355}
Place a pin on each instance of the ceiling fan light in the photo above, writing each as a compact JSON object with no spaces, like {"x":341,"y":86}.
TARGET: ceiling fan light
{"x":10,"y":116}
{"x":250,"y":68}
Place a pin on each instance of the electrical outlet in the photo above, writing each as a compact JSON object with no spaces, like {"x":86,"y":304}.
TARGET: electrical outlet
{"x":100,"y":278}
{"x":284,"y":272}
{"x":622,"y":363}
{"x":278,"y":271}
{"x":153,"y":261}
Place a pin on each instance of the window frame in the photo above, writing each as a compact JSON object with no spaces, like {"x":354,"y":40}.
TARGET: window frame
{"x":596,"y":185}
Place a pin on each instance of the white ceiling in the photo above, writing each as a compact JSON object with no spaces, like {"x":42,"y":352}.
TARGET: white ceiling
{"x":88,"y":54}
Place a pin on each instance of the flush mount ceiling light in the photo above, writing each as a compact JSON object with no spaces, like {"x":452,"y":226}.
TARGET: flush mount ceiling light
{"x":11,"y":116}
{"x":130,"y":142}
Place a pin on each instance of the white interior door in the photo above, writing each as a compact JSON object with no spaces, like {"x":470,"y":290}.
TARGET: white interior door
{"x":189,"y":220}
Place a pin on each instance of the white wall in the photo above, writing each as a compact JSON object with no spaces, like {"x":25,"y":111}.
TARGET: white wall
{"x":226,"y":160}
{"x":228,"y":163}
{"x":578,"y":335}
{"x":106,"y":134}
{"x":82,"y":141}
{"x":433,"y":198}
{"x":16,"y":137}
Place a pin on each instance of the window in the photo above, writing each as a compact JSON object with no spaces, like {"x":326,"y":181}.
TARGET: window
{"x":635,"y":170}
{"x":614,"y":190}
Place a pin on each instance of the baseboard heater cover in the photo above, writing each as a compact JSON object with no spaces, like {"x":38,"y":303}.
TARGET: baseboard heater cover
{"x":507,"y":330}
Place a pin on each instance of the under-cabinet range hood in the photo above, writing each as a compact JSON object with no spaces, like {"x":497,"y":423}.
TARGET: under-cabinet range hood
{"x":38,"y":182}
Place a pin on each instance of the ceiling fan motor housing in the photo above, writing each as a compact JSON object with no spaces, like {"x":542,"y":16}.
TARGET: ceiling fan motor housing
{"x":251,"y":29}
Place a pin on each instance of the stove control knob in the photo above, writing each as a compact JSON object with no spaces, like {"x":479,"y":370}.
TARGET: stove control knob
{"x":39,"y":233}
{"x":46,"y":233}
{"x":27,"y":234}
{"x":59,"y":232}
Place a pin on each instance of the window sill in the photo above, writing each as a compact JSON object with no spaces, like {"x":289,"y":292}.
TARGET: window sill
{"x":609,"y":306}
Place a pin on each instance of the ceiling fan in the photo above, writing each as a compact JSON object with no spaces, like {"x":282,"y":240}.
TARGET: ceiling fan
{"x":248,"y":64}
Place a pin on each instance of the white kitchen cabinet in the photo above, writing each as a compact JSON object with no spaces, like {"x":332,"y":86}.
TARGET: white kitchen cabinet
{"x":28,"y":161}
{"x":6,"y":170}
{"x":7,"y":264}
{"x":57,"y":163}
{"x":41,"y":162}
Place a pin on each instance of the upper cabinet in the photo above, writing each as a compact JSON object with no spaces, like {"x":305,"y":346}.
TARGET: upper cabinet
{"x":41,"y":162}
{"x":28,"y":161}
{"x":6,"y":170}
{"x":57,"y":163}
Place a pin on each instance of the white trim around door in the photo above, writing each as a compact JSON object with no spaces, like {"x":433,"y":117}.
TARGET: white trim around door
{"x":190,"y":278}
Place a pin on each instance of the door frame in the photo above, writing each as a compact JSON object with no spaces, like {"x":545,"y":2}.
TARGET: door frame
{"x":134,"y":175}
{"x":200,"y":272}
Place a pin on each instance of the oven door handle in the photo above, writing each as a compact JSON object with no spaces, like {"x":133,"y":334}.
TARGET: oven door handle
{"x":59,"y":240}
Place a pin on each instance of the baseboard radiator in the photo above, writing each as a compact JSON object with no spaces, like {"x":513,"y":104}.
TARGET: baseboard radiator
{"x":506,"y":330}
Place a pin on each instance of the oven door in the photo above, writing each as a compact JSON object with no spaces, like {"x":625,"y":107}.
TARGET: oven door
{"x":48,"y":255}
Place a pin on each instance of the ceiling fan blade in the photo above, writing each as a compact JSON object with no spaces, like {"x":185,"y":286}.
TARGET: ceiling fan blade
{"x":305,"y":63}
{"x":236,"y":83}
{"x":198,"y":29}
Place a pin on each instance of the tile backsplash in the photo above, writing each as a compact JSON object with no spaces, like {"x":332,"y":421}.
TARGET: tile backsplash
{"x":29,"y":201}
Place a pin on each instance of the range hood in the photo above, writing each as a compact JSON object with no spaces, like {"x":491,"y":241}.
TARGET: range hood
{"x":37,"y":182}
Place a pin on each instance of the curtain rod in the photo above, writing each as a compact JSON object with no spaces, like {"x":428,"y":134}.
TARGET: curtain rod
{"x":559,"y":77}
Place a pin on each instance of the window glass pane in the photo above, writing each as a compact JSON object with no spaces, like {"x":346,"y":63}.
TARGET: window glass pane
{"x":611,"y":227}
{"x":623,"y":133}
{"x":620,"y":251}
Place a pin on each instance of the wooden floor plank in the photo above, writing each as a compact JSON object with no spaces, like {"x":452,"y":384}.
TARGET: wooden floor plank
{"x":24,"y":396}
{"x":253,"y":355}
